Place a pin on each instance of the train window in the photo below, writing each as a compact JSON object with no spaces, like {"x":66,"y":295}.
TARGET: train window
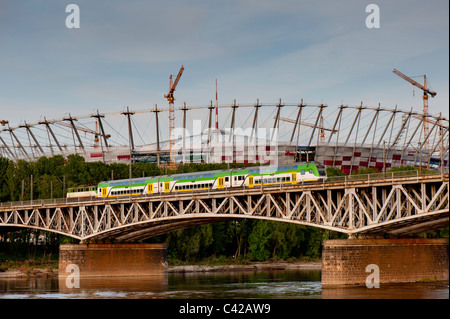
{"x":226,"y":178}
{"x":303,"y":172}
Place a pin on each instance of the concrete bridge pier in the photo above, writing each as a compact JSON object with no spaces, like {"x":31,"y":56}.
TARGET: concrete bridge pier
{"x":112,"y":260}
{"x":373,"y":262}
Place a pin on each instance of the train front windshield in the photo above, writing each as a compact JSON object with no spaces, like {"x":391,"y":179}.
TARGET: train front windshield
{"x":322,"y":171}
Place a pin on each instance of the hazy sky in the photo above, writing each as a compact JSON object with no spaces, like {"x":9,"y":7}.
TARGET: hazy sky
{"x":124,"y":51}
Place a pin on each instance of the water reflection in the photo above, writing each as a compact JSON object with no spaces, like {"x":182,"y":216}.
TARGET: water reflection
{"x":261,"y":284}
{"x":420,"y":290}
{"x":289,"y":284}
{"x":116,"y":287}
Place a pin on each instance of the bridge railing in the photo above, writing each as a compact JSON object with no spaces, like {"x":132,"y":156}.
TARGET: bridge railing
{"x":380,"y":176}
{"x":345,"y":180}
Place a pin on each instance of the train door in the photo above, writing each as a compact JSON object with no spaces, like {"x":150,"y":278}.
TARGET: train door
{"x":150,"y":188}
{"x":250,"y":181}
{"x":220,"y":182}
{"x":104,"y":192}
{"x":294,"y":178}
{"x":166,"y":187}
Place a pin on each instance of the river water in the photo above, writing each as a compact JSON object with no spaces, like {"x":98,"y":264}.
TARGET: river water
{"x":279,"y":284}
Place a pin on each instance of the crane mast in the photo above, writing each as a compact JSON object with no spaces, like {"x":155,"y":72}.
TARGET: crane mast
{"x":170,"y":98}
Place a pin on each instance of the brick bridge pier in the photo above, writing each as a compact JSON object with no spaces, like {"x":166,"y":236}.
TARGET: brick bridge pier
{"x":377,"y":261}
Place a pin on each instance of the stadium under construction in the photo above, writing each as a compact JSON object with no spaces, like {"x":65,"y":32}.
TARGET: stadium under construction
{"x":344,"y":136}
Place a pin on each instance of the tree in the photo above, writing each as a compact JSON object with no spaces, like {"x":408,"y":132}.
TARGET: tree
{"x":259,"y":241}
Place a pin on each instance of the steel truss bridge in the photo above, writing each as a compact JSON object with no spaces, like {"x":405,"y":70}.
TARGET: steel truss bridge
{"x":360,"y":205}
{"x":345,"y":136}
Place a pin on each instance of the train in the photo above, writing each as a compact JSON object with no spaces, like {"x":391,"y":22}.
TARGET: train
{"x":249,"y":177}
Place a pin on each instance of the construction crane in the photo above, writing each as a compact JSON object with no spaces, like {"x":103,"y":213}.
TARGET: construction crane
{"x":3,"y":122}
{"x":426,"y":91}
{"x":171,"y":99}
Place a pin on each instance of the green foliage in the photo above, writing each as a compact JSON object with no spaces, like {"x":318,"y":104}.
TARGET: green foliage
{"x":334,"y":171}
{"x":402,"y":168}
{"x":365,"y":170}
{"x":259,"y":241}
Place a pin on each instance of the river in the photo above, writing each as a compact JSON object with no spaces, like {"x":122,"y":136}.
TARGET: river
{"x":278,"y":284}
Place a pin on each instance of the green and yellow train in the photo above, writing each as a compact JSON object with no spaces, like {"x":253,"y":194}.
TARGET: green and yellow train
{"x":249,"y":177}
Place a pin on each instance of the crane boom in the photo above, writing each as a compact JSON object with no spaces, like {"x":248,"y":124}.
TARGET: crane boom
{"x":415,"y":83}
{"x":426,"y":91}
{"x":177,"y":79}
{"x":169,"y":96}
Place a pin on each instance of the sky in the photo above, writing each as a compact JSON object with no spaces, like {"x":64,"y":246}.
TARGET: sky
{"x":124,"y":51}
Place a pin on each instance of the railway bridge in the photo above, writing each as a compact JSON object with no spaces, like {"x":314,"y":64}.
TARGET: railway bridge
{"x":399,"y":203}
{"x":363,"y":206}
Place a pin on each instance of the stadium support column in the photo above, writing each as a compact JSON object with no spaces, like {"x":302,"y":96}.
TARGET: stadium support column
{"x":276,"y":123}
{"x":105,"y":137}
{"x":208,"y":142}
{"x":255,"y":129}
{"x":49,"y":129}
{"x":74,"y":128}
{"x":314,"y":129}
{"x":27,"y":127}
{"x":130,"y":131}
{"x":184,"y":109}
{"x":156,"y":111}
{"x":232,"y":126}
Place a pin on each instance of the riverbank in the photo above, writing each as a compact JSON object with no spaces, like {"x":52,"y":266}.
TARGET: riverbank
{"x":30,"y":272}
{"x":251,"y":266}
